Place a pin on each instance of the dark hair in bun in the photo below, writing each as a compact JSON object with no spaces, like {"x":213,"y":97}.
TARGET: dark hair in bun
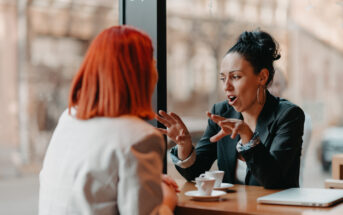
{"x":260,"y":49}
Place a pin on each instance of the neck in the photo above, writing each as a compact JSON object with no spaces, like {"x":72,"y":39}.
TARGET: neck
{"x":250,"y":117}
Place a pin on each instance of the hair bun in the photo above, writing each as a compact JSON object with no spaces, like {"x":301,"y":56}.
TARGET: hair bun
{"x":268,"y":45}
{"x":259,"y":49}
{"x":248,"y":38}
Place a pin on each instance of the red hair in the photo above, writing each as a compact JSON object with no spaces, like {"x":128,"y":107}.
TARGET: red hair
{"x":117,"y":76}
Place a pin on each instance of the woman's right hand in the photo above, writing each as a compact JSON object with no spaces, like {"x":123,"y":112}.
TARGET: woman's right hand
{"x":169,"y":195}
{"x":177,"y":131}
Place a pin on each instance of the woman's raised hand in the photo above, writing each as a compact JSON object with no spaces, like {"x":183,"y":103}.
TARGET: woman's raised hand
{"x":231,"y":127}
{"x":176,"y":129}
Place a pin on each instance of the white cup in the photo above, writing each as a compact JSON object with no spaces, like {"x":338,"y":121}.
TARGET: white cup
{"x":216,"y":174}
{"x":204,"y":184}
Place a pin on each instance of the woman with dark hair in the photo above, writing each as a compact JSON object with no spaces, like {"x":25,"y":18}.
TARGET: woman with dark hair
{"x":103,"y":157}
{"x":255,"y":137}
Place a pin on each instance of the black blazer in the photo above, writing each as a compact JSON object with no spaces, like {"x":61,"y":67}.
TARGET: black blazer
{"x":274,"y":163}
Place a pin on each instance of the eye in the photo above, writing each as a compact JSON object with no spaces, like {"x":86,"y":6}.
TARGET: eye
{"x":235,"y":77}
{"x":222,"y":78}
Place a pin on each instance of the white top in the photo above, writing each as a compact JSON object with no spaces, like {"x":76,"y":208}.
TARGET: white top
{"x":241,"y":171}
{"x":102,"y":166}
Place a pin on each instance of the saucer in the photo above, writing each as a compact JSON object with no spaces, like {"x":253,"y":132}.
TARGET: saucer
{"x":215,"y":195}
{"x":223,"y":186}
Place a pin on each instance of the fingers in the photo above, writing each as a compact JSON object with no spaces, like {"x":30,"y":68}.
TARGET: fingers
{"x":166,"y":116}
{"x":163,"y":131}
{"x":178,"y":119}
{"x":167,"y":179}
{"x":170,"y":182}
{"x":218,"y":136}
{"x":162,"y":120}
{"x":234,"y":133}
{"x":215,"y":118}
{"x":226,"y":126}
{"x":182,"y":138}
{"x":175,"y":189}
{"x":236,"y":128}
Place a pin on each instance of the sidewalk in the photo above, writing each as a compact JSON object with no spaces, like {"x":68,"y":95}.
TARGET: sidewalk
{"x":18,"y":187}
{"x":19,"y":195}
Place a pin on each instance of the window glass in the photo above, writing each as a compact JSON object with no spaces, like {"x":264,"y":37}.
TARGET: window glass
{"x":308,"y":74}
{"x":42,"y":44}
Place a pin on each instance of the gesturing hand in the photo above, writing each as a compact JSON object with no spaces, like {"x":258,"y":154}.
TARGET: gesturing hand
{"x":230,"y":127}
{"x":176,"y":129}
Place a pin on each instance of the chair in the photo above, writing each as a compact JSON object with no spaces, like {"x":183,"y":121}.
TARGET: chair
{"x":337,"y":173}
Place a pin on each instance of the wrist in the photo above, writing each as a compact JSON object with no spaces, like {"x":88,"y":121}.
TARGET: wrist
{"x":185,"y":151}
{"x":247,"y":136}
{"x":185,"y":142}
{"x":255,"y":140}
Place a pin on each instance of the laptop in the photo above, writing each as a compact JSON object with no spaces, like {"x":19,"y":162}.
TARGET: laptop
{"x":317,"y":197}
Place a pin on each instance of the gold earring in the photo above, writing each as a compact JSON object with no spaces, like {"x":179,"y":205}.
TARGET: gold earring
{"x":263,"y":95}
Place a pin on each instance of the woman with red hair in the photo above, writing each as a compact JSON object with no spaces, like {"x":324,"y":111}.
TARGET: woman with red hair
{"x":103,"y":157}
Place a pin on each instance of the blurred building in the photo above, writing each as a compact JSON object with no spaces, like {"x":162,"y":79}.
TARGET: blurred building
{"x":309,"y":34}
{"x":42,"y":44}
{"x":199,"y":38}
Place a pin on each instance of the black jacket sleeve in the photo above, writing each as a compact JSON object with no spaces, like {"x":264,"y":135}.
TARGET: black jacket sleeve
{"x":275,"y":163}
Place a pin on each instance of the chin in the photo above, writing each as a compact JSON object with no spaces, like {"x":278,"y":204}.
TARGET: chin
{"x":237,"y":109}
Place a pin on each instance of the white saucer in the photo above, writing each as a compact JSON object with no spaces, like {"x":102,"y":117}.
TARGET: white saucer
{"x":215,"y":195}
{"x":223,"y":186}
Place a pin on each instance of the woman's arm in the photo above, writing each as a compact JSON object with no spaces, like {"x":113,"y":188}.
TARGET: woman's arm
{"x":140,"y":184}
{"x":278,"y":165}
{"x":205,"y":152}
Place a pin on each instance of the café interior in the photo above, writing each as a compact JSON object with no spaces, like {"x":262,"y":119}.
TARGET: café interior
{"x":190,"y":38}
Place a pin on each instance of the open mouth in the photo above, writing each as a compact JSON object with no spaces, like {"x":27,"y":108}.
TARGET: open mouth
{"x":232,"y":99}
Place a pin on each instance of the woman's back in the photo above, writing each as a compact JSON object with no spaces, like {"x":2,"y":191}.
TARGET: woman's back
{"x":102,"y":166}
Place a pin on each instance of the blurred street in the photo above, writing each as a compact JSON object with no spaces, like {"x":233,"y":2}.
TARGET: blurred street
{"x":19,"y":195}
{"x":18,"y":188}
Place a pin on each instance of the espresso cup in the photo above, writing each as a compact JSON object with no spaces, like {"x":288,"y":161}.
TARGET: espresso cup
{"x":204,"y":184}
{"x":218,"y":175}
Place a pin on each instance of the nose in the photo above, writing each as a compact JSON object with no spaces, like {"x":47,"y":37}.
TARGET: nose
{"x":228,"y":85}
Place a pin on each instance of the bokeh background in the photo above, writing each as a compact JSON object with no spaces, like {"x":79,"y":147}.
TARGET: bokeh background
{"x":42,"y":43}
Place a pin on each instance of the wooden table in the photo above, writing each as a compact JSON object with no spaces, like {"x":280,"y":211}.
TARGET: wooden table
{"x":241,"y":199}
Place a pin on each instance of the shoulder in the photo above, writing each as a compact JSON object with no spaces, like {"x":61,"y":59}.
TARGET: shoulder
{"x":128,"y":137}
{"x":286,"y":106}
{"x":288,"y":110}
{"x":221,"y":107}
{"x":135,"y":128}
{"x":139,"y":133}
{"x":112,"y":132}
{"x":136,"y":139}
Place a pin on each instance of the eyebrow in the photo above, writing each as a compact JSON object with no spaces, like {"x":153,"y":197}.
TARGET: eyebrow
{"x":235,"y":70}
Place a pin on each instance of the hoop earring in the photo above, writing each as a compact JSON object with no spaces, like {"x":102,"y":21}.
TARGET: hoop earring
{"x":261,"y":102}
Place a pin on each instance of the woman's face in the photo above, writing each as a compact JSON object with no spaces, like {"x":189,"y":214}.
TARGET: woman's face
{"x":240,"y":83}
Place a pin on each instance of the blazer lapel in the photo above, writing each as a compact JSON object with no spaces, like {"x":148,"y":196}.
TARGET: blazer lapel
{"x":264,"y":122}
{"x":230,"y":146}
{"x":266,"y":117}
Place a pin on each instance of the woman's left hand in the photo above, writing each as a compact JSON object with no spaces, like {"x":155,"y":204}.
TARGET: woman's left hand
{"x":230,"y":127}
{"x":170,"y":182}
